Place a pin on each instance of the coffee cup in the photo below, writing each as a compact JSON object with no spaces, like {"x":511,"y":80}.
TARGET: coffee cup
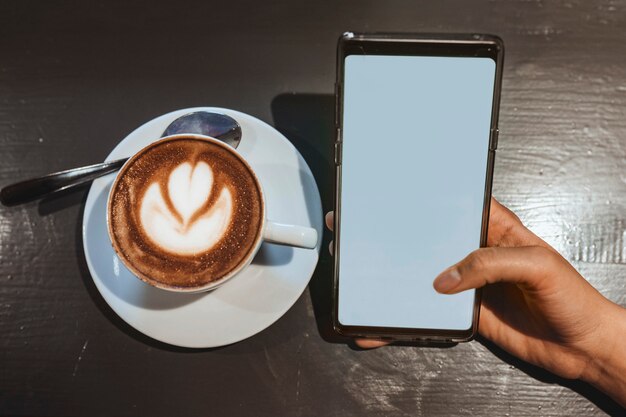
{"x":187,"y":213}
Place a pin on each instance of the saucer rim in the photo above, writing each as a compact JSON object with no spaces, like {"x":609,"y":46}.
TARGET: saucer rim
{"x":90,"y":204}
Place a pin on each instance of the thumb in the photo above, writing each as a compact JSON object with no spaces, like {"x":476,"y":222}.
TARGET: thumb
{"x":527,"y":266}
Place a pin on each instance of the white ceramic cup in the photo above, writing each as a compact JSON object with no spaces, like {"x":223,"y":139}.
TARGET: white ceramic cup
{"x":272,"y":232}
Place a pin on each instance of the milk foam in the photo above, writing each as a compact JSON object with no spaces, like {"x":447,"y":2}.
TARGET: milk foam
{"x":189,"y":188}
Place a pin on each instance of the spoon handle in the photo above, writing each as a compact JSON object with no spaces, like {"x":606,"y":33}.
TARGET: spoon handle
{"x":35,"y":188}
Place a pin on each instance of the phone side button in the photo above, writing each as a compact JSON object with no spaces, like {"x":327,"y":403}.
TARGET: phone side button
{"x":338,"y":147}
{"x":337,"y":103}
{"x":493,"y":145}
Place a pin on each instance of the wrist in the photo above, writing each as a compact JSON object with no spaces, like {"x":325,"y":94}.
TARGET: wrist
{"x":606,"y":369}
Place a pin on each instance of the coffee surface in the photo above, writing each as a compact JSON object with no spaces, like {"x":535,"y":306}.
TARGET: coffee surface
{"x":185,"y":212}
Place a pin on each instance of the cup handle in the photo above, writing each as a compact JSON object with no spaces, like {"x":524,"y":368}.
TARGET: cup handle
{"x":288,"y":234}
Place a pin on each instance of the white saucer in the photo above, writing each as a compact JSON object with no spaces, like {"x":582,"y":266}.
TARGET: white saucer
{"x":251,"y":301}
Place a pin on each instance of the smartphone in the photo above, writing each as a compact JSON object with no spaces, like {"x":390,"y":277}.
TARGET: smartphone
{"x":416,"y":135}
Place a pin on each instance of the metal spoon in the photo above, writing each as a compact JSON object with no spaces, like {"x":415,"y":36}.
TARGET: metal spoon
{"x":219,"y":126}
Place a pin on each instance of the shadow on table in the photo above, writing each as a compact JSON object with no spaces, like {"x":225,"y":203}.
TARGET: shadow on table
{"x":307,"y":120}
{"x":601,"y":400}
{"x":62,"y":200}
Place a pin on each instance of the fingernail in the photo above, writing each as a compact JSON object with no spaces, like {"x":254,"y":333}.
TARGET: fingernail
{"x":447,"y":281}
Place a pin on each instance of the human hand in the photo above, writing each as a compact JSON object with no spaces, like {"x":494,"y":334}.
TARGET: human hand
{"x":536,"y":306}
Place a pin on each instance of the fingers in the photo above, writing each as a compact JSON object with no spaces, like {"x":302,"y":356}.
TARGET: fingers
{"x":370,"y":343}
{"x":330,"y":219}
{"x":528,"y":266}
{"x":506,"y":229}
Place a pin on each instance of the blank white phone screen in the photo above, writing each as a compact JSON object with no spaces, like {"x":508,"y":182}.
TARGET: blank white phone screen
{"x":415,"y":147}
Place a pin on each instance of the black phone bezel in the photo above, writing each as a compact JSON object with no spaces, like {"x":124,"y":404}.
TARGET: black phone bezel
{"x":447,"y":45}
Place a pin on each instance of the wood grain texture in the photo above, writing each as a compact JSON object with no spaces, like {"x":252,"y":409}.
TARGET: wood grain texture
{"x":76,"y":77}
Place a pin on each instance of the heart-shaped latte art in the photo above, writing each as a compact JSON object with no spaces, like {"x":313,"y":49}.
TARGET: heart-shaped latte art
{"x":188,"y":231}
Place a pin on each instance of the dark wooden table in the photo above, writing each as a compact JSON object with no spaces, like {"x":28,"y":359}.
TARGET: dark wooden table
{"x":76,"y":77}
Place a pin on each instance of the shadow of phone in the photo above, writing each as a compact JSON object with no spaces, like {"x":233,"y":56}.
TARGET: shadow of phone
{"x":307,"y":120}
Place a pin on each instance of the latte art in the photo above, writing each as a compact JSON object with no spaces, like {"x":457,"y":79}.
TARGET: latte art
{"x":193,"y":227}
{"x":185,"y":212}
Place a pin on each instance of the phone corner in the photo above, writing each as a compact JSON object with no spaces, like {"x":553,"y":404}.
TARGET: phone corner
{"x":494,"y":39}
{"x":472,"y":335}
{"x":345,"y":37}
{"x":338,"y":328}
{"x":465,"y":337}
